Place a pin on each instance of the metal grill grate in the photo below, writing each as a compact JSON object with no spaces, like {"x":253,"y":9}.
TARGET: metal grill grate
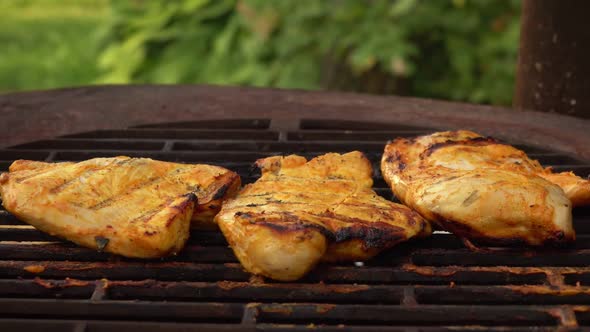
{"x":50,"y":285}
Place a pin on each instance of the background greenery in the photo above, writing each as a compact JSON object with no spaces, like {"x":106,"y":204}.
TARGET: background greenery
{"x":49,"y":43}
{"x":450,"y":49}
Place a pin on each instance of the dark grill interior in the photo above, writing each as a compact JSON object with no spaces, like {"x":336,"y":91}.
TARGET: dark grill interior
{"x":47,"y":284}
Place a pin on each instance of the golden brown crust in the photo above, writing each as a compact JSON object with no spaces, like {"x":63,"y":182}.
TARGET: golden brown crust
{"x":478,"y":188}
{"x":135,"y":207}
{"x":221,"y":187}
{"x":322,"y":209}
{"x":575,"y":188}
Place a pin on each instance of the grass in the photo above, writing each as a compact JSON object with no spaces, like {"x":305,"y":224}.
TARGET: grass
{"x":49,"y":43}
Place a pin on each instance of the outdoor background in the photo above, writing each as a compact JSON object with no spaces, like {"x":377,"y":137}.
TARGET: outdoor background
{"x":448,"y":49}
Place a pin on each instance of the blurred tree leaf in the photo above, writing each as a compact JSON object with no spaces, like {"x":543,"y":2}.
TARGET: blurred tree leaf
{"x":451,"y":49}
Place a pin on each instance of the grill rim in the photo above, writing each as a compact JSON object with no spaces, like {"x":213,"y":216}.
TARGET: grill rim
{"x":28,"y":116}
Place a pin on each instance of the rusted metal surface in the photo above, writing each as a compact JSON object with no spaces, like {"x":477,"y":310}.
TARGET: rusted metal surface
{"x":244,"y":291}
{"x":429,"y":284}
{"x":41,"y":288}
{"x":25,"y":117}
{"x":553,"y":71}
{"x":427,"y":315}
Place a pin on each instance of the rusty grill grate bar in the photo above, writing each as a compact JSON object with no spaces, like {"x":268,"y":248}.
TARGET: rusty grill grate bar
{"x":50,"y":285}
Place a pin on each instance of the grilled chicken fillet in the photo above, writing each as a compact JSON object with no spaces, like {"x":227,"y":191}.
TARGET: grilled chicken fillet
{"x":134,"y":207}
{"x":481,"y":189}
{"x":301,"y":212}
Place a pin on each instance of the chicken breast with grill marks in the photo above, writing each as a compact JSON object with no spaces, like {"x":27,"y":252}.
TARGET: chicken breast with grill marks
{"x":481,"y":189}
{"x":301,"y":212}
{"x":135,"y":207}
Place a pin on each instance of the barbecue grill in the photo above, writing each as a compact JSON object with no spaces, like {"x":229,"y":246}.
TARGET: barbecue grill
{"x":51,"y":285}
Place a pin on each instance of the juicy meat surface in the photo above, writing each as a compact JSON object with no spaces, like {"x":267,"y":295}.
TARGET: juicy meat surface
{"x":135,"y":207}
{"x":483,"y":190}
{"x":301,"y":212}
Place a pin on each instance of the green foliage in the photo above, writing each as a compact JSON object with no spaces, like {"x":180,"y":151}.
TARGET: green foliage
{"x":450,"y":49}
{"x":460,"y":49}
{"x":48,"y":43}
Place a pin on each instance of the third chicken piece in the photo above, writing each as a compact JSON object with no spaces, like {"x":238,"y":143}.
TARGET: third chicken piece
{"x":483,"y":190}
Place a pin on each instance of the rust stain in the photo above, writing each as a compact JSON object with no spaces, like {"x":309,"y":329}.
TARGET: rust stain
{"x":256,"y":279}
{"x":509,"y":269}
{"x":549,"y":290}
{"x":83,"y":266}
{"x":75,"y":282}
{"x":449,"y":271}
{"x":77,"y":267}
{"x":104,"y":283}
{"x":140,"y":283}
{"x":229,"y":285}
{"x":573,"y":269}
{"x":34,"y":268}
{"x":581,"y":308}
{"x":430,"y":271}
{"x":319,"y":287}
{"x":565,"y":315}
{"x":279,"y":309}
{"x":44,"y":283}
{"x":345,"y":289}
{"x":68,"y":282}
{"x":555,"y":278}
{"x":323,"y":308}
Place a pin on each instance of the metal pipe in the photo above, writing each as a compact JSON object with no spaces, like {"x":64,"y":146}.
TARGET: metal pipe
{"x":553,"y":73}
